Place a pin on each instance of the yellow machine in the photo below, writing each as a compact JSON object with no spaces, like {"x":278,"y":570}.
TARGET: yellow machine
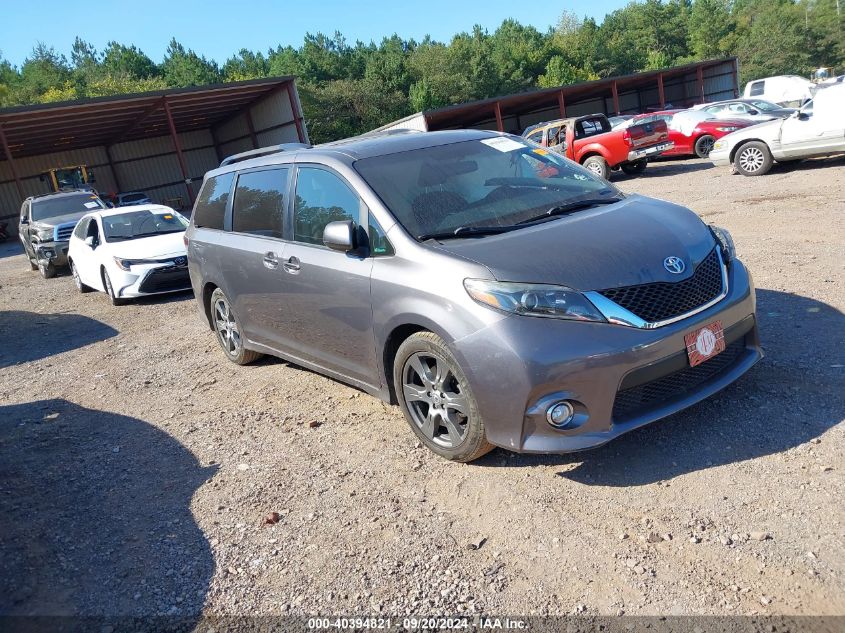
{"x":71,"y":177}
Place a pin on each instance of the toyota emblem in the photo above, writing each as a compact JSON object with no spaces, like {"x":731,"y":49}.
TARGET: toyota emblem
{"x":674,"y":265}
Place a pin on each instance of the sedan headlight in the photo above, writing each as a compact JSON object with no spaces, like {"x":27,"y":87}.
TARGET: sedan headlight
{"x":540,"y":300}
{"x":728,"y":128}
{"x":124,"y":264}
{"x":726,"y":242}
{"x":719,"y":145}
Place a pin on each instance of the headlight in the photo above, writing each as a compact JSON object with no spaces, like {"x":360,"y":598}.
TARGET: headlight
{"x":719,"y":145}
{"x":726,"y":242}
{"x":123,"y":264}
{"x":540,"y":300}
{"x":728,"y":128}
{"x":45,"y":235}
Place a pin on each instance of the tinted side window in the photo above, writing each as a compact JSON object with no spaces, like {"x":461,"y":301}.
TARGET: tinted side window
{"x":259,"y":203}
{"x":211,"y":204}
{"x":321,"y":197}
{"x":757,"y":88}
{"x":380,"y":246}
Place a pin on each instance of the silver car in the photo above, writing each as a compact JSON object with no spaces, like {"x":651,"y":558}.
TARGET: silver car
{"x":500,"y":294}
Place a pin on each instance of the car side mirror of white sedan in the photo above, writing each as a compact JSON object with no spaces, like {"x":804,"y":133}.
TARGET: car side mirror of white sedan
{"x":90,"y":241}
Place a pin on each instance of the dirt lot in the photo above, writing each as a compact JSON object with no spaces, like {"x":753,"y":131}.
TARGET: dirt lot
{"x":137,"y":465}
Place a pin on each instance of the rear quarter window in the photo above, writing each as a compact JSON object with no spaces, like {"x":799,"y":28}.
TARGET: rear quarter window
{"x":210,"y":208}
{"x":757,"y":88}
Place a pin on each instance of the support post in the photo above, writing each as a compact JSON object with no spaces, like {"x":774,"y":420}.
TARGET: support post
{"x":11,"y":160}
{"x":297,"y":116}
{"x":497,"y":108}
{"x":615,"y":91}
{"x":178,"y":146}
{"x":251,"y":127}
{"x":216,"y":142}
{"x":736,"y":80}
{"x":113,"y":169}
{"x":700,"y":76}
{"x":561,"y":104}
{"x":661,"y":94}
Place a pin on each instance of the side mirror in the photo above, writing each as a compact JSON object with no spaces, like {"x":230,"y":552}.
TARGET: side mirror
{"x":340,"y":236}
{"x":753,"y":112}
{"x":90,"y":241}
{"x":24,"y":221}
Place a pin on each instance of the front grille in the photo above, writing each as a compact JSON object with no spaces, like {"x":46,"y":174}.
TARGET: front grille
{"x":166,"y":279}
{"x":677,"y":384}
{"x":63,"y":232}
{"x":663,"y":300}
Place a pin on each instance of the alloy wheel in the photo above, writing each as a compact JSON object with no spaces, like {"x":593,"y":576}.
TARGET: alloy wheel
{"x":706,"y":146}
{"x":227,"y":327}
{"x":751,"y":159}
{"x":437,"y":403}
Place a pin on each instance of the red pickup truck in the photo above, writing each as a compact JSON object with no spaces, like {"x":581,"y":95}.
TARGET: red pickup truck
{"x":588,"y":140}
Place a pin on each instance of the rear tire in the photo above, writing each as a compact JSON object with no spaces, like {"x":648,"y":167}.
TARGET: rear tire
{"x":704,"y":145}
{"x":598,"y":166}
{"x":437,"y":400}
{"x":635,"y":168}
{"x":753,"y":159}
{"x":77,"y":280}
{"x":115,"y":301}
{"x":48,"y":271}
{"x":228,"y":330}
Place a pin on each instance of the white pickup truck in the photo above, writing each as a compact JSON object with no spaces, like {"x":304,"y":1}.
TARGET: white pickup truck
{"x":817,"y":129}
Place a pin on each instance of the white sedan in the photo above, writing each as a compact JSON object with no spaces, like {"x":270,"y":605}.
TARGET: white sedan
{"x":130,"y":252}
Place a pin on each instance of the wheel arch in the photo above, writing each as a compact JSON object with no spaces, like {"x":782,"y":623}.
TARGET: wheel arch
{"x":207,"y":290}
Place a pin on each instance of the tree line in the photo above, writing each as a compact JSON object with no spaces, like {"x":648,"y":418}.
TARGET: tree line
{"x":349,"y":88}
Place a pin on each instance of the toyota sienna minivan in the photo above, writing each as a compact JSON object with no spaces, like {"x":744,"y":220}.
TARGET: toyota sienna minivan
{"x":500,"y":294}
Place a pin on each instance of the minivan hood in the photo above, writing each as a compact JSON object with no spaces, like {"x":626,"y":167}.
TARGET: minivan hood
{"x":158,"y":246}
{"x":623,"y":244}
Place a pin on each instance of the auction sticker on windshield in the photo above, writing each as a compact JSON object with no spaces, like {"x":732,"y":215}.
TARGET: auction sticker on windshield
{"x":503,"y":144}
{"x":704,"y":343}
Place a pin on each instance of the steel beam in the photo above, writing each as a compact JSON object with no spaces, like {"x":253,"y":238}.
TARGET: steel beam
{"x":297,"y":116}
{"x":660,"y":91}
{"x":561,"y":103}
{"x":497,"y":108}
{"x":699,"y":73}
{"x":11,"y":160}
{"x":615,"y":91}
{"x":251,"y":126}
{"x":175,"y":136}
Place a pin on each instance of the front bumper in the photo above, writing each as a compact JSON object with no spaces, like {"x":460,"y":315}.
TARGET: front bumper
{"x":54,"y":253}
{"x":149,"y":279}
{"x":521,"y":365}
{"x":720,"y":157}
{"x":650,"y":152}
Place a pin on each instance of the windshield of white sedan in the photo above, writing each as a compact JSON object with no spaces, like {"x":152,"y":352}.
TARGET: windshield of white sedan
{"x":481,"y":186}
{"x":136,"y":224}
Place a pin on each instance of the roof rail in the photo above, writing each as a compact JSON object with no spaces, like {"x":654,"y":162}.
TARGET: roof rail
{"x":262,"y":151}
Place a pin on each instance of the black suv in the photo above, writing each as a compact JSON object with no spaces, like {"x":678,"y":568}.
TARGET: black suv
{"x":46,"y":224}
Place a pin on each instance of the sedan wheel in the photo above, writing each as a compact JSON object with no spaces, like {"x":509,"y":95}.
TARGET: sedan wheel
{"x":704,"y":145}
{"x":115,"y":300}
{"x":753,"y":159}
{"x":77,"y":280}
{"x":436,"y":399}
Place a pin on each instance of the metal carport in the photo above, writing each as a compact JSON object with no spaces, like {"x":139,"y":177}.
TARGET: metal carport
{"x":161,"y":142}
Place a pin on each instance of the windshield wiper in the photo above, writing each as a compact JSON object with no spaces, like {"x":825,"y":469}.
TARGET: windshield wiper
{"x":571,"y":207}
{"x":467,"y":231}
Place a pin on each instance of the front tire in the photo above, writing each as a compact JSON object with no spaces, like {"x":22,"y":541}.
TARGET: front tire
{"x":114,"y":299}
{"x":635,"y":168}
{"x":228,"y":330}
{"x":436,"y":398}
{"x":704,"y":145}
{"x":48,"y":271}
{"x":598,"y":166}
{"x":753,"y":159}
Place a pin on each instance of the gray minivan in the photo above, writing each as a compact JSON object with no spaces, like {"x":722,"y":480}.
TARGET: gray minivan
{"x":499,"y":293}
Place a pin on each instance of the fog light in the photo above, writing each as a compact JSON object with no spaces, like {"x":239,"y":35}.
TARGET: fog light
{"x":560,"y":414}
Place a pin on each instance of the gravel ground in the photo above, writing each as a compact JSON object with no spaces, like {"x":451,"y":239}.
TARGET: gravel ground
{"x":138,"y":468}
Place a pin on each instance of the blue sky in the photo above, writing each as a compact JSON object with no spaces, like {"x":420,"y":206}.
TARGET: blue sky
{"x":218,"y":29}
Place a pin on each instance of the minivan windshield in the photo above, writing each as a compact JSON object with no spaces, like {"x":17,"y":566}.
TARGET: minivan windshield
{"x":64,"y":205}
{"x":481,"y":186}
{"x":136,"y":224}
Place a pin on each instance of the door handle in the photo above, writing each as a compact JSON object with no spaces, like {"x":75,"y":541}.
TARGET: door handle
{"x":270,"y":260}
{"x":292,"y":265}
